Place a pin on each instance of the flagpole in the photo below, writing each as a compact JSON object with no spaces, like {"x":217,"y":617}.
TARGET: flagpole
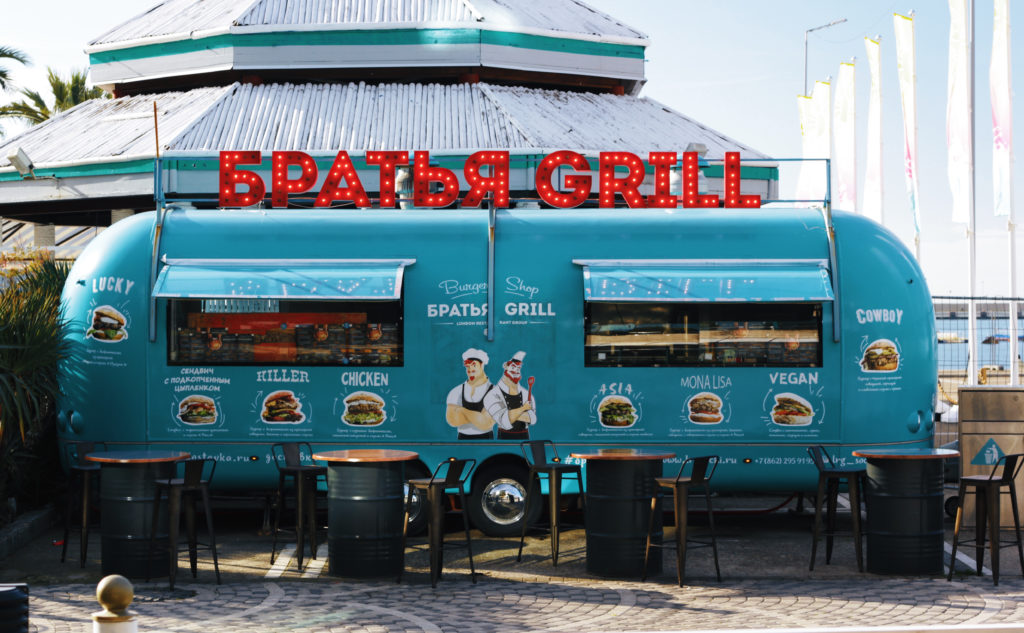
{"x":972,"y":322}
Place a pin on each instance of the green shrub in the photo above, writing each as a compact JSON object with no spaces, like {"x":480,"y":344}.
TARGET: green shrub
{"x":31,"y":344}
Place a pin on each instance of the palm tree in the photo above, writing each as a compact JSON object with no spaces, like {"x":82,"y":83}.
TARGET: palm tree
{"x":6,"y":52}
{"x":67,"y":94}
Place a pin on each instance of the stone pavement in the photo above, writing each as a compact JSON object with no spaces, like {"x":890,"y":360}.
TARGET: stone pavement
{"x":764,"y":558}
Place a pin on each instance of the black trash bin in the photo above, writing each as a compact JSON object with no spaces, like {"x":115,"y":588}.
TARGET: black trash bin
{"x":13,"y":608}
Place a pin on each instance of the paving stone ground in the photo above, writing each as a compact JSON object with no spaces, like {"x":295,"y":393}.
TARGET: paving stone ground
{"x":764,"y":559}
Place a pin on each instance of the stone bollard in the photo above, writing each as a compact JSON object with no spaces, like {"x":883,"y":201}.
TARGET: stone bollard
{"x":114,"y":593}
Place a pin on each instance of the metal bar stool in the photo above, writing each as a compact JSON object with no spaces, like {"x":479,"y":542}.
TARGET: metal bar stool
{"x":700,"y":472}
{"x":536,"y":454}
{"x":80,"y":484}
{"x":449,"y":477}
{"x":830,"y":476}
{"x":194,"y":482}
{"x":288,"y":459}
{"x":987,"y":490}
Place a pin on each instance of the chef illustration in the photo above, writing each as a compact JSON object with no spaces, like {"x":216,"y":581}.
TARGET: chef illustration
{"x":466,"y":409}
{"x":520,"y":411}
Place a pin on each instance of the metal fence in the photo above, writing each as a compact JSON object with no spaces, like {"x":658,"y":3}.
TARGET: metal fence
{"x":991,"y":346}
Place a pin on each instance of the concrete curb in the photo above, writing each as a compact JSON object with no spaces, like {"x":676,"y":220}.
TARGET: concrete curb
{"x":25,"y":528}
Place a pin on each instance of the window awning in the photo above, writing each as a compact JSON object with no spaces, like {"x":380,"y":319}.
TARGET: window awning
{"x":706,"y":281}
{"x":324,"y":279}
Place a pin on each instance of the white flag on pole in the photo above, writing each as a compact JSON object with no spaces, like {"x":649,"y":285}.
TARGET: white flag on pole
{"x":905,"y":70}
{"x":872,"y":201}
{"x":844,"y":163}
{"x":816,"y":136}
{"x":958,"y":108}
{"x":1002,"y":110}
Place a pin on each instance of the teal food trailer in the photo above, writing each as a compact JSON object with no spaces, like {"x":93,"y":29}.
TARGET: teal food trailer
{"x":461,"y":332}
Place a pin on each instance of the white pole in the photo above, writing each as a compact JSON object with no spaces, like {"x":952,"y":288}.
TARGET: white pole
{"x":972,"y":322}
{"x":1012,"y":235}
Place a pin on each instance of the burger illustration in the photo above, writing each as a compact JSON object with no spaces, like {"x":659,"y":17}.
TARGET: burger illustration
{"x":363,"y":408}
{"x":107,"y":325}
{"x":197,"y":409}
{"x":705,"y":408}
{"x":792,"y":410}
{"x":881,"y":355}
{"x":616,"y":411}
{"x":282,"y":406}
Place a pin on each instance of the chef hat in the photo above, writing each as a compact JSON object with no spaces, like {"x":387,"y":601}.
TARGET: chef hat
{"x":475,"y":354}
{"x":518,"y":356}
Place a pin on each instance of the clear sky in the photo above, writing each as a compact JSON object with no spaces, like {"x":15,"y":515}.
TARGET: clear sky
{"x":736,"y":66}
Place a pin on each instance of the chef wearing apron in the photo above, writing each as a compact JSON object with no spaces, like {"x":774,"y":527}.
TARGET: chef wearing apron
{"x":465,"y":402}
{"x":519,"y":409}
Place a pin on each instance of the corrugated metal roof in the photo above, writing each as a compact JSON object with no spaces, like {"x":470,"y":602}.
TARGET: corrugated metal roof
{"x":321,"y":117}
{"x":357,"y":117}
{"x":180,"y":18}
{"x":104,"y":129}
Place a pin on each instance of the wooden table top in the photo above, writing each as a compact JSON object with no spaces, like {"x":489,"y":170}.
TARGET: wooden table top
{"x":137,"y":456}
{"x":906,"y":453}
{"x":622,"y":454}
{"x":356,"y":455}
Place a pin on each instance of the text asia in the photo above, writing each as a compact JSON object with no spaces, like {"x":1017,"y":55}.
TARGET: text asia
{"x":619,"y":173}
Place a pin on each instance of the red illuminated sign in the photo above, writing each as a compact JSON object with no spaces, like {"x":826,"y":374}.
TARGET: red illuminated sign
{"x":619,"y":174}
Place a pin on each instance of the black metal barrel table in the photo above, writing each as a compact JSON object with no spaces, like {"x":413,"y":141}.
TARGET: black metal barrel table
{"x":365,"y":493}
{"x":905,"y":513}
{"x":127,"y":495}
{"x":620,"y":484}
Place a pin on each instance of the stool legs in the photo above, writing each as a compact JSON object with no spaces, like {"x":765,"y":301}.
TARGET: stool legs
{"x":1016,"y":525}
{"x":435,"y":533}
{"x":855,"y":491}
{"x":681,"y":499}
{"x":469,"y":542}
{"x":277,"y":515}
{"x":992,"y":507}
{"x":816,"y":532}
{"x":961,"y":493}
{"x":305,"y":515}
{"x":534,"y":481}
{"x":209,"y":528}
{"x":987,"y":517}
{"x":554,"y":487}
{"x":174,"y":516}
{"x":83,"y":530}
{"x":711,"y":524}
{"x":828,"y":494}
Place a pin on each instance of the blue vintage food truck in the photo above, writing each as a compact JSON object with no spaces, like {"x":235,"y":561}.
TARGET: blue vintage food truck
{"x":746,"y":333}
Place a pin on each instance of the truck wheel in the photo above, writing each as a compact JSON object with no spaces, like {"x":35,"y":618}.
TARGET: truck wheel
{"x":417,"y":508}
{"x":497,"y":500}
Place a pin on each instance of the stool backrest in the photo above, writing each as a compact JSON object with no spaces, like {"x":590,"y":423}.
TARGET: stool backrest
{"x":1011,"y":467}
{"x":290,"y":453}
{"x":199,"y":471}
{"x":700,"y":470}
{"x":455,"y":472}
{"x":536,"y":452}
{"x":822,"y":460}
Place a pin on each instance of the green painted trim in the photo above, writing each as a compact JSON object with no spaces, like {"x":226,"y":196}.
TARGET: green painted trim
{"x":560,"y":45}
{"x":746,"y":171}
{"x":141,"y":166}
{"x":389,"y":37}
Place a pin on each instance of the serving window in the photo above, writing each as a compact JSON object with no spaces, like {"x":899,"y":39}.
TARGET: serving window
{"x":283,"y":312}
{"x":683,"y":334}
{"x":284,"y":332}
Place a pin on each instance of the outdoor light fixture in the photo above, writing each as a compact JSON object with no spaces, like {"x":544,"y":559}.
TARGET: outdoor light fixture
{"x":22,"y":163}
